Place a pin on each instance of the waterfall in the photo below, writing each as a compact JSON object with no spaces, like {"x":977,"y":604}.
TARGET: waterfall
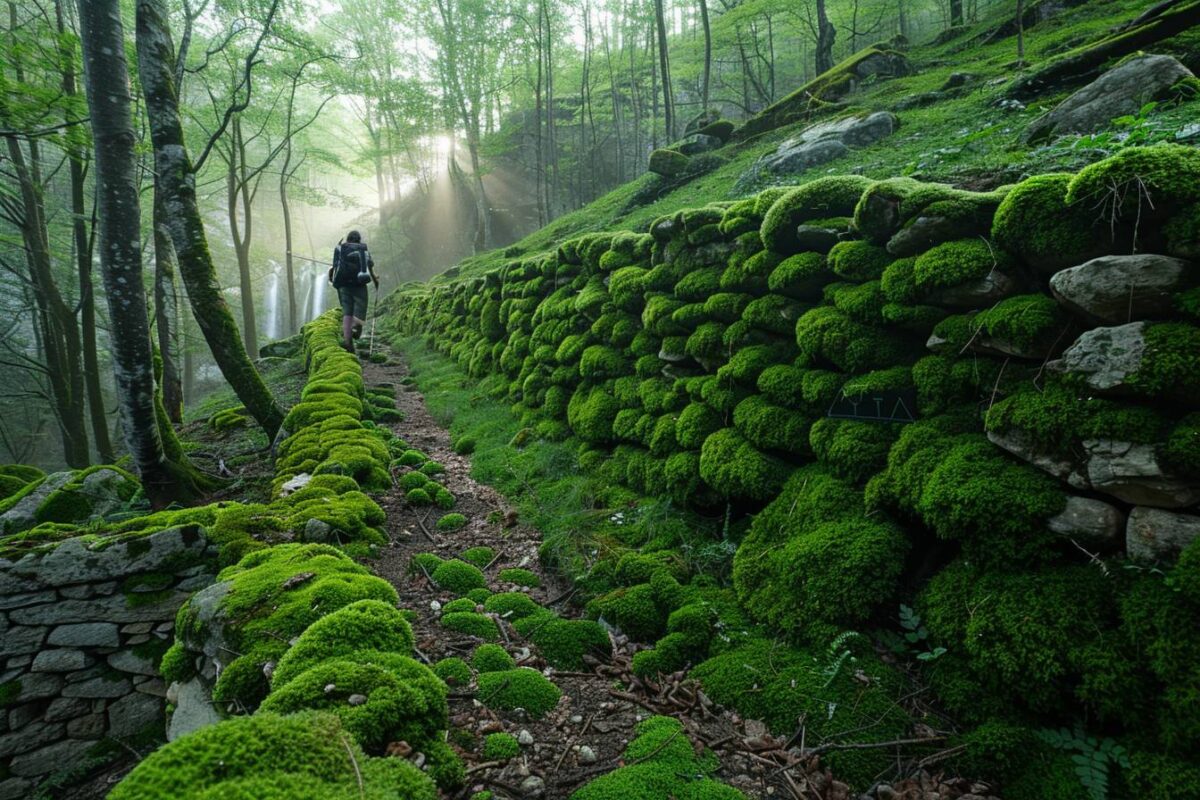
{"x":318,"y":305}
{"x":272,"y":321}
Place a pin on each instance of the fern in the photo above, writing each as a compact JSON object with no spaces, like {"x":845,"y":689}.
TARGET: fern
{"x":1091,"y":756}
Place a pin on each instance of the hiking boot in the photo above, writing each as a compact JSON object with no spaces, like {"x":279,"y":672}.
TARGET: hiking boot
{"x":356,"y":331}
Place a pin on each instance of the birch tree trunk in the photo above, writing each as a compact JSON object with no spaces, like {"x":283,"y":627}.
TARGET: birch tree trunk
{"x":119,"y":221}
{"x":156,"y":69}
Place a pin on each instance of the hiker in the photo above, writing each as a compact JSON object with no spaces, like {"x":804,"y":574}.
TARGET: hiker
{"x":352,"y":270}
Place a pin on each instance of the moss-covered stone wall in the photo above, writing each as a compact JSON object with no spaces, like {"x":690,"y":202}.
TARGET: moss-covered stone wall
{"x":1036,"y":499}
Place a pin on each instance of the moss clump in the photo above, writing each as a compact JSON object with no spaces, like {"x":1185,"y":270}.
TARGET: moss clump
{"x":479,"y":556}
{"x":858,"y":261}
{"x":500,"y":747}
{"x":270,"y":757}
{"x":827,"y":335}
{"x":464,"y":445}
{"x":590,"y":414}
{"x":955,"y":263}
{"x":734,"y":468}
{"x":418,"y":497}
{"x":364,"y":625}
{"x":521,"y":577}
{"x":1170,"y":365}
{"x":833,"y":196}
{"x":461,"y":604}
{"x":800,"y":276}
{"x":771,"y":427}
{"x":453,"y":671}
{"x":518,"y":688}
{"x":455,"y":575}
{"x":564,"y":642}
{"x":633,"y":609}
{"x":668,"y":163}
{"x":1143,"y":182}
{"x":275,"y":595}
{"x":472,"y":623}
{"x":425,"y":563}
{"x":451,"y":522}
{"x":380,"y":698}
{"x":1024,"y":325}
{"x":492,"y":658}
{"x":852,"y":449}
{"x":790,"y":569}
{"x":660,"y":762}
{"x":1036,"y":223}
{"x":511,"y":605}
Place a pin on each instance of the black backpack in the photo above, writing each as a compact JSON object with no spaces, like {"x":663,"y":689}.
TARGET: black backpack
{"x":352,"y":265}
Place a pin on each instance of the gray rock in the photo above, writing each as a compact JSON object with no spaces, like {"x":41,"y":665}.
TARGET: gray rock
{"x":22,"y":515}
{"x":524,"y":738}
{"x":128,"y":661}
{"x":816,"y":238}
{"x":825,"y":141}
{"x":152,"y":686}
{"x":61,"y":660}
{"x":16,"y":640}
{"x":281,"y":348}
{"x":1133,"y":473}
{"x":316,"y":530}
{"x":52,"y":758}
{"x":295,"y":484}
{"x":64,"y":708}
{"x":30,"y":737}
{"x":1115,"y":290}
{"x":73,"y":562}
{"x":533,"y":786}
{"x":26,"y":599}
{"x":1122,"y":90}
{"x":1092,"y":523}
{"x":586,"y":755}
{"x":37,"y":685}
{"x":1156,"y":535}
{"x":107,"y":490}
{"x":193,"y":709}
{"x":133,"y":714}
{"x":24,"y":714}
{"x":86,"y":634}
{"x":86,"y":727}
{"x":14,"y":789}
{"x":114,"y":608}
{"x":1105,"y":358}
{"x":100,"y":686}
{"x":979,"y":293}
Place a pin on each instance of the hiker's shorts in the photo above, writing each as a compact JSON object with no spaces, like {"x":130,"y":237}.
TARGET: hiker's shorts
{"x":353,"y":300}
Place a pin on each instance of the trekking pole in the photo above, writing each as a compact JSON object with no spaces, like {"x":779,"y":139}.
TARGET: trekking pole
{"x":374,"y":310}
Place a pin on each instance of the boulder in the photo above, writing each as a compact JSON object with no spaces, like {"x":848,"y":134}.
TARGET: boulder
{"x":282,"y":348}
{"x":979,"y":293}
{"x":1114,"y":290}
{"x":668,"y":163}
{"x":193,"y":708}
{"x":817,"y":238}
{"x":1119,"y":92}
{"x":823,"y":142}
{"x":1105,"y":357}
{"x":22,"y":515}
{"x":133,"y":714}
{"x":1092,"y":523}
{"x":1156,"y":535}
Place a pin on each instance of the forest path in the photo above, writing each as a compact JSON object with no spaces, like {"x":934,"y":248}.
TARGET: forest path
{"x":599,"y":709}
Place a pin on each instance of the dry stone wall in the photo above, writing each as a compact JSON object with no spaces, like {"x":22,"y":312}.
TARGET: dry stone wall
{"x":82,"y":629}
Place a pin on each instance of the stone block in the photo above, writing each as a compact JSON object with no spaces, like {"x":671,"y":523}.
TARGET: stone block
{"x":64,"y":708}
{"x":8,"y":601}
{"x":98,"y":687}
{"x":51,"y":758}
{"x":1156,"y":535}
{"x":134,"y":713}
{"x":29,"y":737}
{"x":14,"y":789}
{"x":20,"y":639}
{"x":86,"y":727}
{"x":88,"y":634}
{"x":128,"y":661}
{"x":61,"y":660}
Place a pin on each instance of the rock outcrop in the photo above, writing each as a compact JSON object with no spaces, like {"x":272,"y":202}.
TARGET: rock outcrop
{"x":825,"y":141}
{"x":1114,"y":290}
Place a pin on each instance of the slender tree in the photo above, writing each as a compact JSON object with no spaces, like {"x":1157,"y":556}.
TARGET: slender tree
{"x":177,"y":175}
{"x":119,"y":221}
{"x":664,"y":60}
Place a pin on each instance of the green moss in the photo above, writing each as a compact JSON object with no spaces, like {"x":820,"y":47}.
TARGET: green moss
{"x":957,"y":262}
{"x":492,"y":658}
{"x":735,"y":469}
{"x":633,"y":609}
{"x":833,"y":196}
{"x":858,"y":261}
{"x":1038,"y":225}
{"x":270,"y":757}
{"x":425,"y":563}
{"x":395,"y":698}
{"x":471,"y":623}
{"x":668,"y":163}
{"x":275,"y":595}
{"x":590,"y":414}
{"x":413,"y":480}
{"x":453,"y":671}
{"x":463,"y":445}
{"x":418,"y":497}
{"x":479,"y":556}
{"x":565,"y":642}
{"x":660,"y":762}
{"x":9,"y":692}
{"x":1153,"y":776}
{"x":518,"y":688}
{"x":771,"y":427}
{"x":177,"y":664}
{"x":1170,"y":364}
{"x":460,"y":604}
{"x":1138,"y":181}
{"x":521,"y":577}
{"x":500,"y":747}
{"x":511,"y":605}
{"x":828,"y":335}
{"x":1027,"y":324}
{"x":451,"y":522}
{"x":458,"y":576}
{"x":852,"y":449}
{"x":791,"y":570}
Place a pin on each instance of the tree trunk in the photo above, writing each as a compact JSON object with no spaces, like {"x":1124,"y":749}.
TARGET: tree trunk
{"x":107,"y":82}
{"x":956,"y":12}
{"x":707,"y":56}
{"x":237,"y":183}
{"x":83,"y":259}
{"x":664,"y":61}
{"x":166,"y":312}
{"x":826,"y":33}
{"x":289,"y":271}
{"x":155,"y":61}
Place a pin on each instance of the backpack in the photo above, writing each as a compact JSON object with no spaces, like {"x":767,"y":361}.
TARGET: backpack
{"x":352,"y":265}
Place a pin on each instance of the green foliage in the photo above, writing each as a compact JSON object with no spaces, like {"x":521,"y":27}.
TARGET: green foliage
{"x":453,"y":671}
{"x":957,"y":262}
{"x":364,"y":625}
{"x":1138,"y":180}
{"x":491,"y":658}
{"x":660,"y":762}
{"x":479,"y":556}
{"x":1036,"y":223}
{"x":500,"y":747}
{"x":1091,"y":756}
{"x":858,"y":261}
{"x":521,"y":577}
{"x":471,"y":623}
{"x":271,"y":757}
{"x":458,"y":576}
{"x":733,"y":467}
{"x":451,"y":522}
{"x":834,"y":196}
{"x":518,"y":688}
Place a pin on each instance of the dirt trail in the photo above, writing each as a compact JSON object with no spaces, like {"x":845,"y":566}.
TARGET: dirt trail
{"x":599,"y":709}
